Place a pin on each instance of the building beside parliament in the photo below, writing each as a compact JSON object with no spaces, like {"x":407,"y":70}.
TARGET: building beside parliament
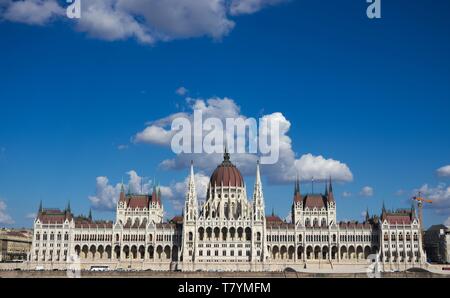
{"x":228,"y":232}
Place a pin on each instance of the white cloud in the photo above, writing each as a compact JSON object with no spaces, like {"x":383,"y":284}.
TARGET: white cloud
{"x":154,"y":134}
{"x":285,"y":170}
{"x":146,"y":21}
{"x":122,"y":147}
{"x":179,"y":190}
{"x":366,"y":191}
{"x":31,"y":215}
{"x":444,"y":171}
{"x":238,"y":7}
{"x":5,"y":218}
{"x":346,"y":194}
{"x":107,"y":195}
{"x":182,"y":91}
{"x":400,"y":192}
{"x":447,"y":222}
{"x":31,"y":12}
{"x":440,"y":195}
{"x":321,"y":168}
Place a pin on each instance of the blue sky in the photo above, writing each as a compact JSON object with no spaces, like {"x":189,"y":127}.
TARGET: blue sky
{"x":371,"y":94}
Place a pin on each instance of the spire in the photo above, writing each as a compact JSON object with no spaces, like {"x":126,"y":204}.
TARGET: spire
{"x":273,"y":211}
{"x":326,"y":189}
{"x":258,"y":196}
{"x":258,"y":175}
{"x":296,"y":185}
{"x":191,"y":197}
{"x":68,"y":207}
{"x":40,"y":206}
{"x":90,"y":214}
{"x":226,"y":155}
{"x":159,"y":194}
{"x":297,"y":195}
{"x":330,"y":194}
{"x":122,"y":188}
{"x":192,"y":169}
{"x":367,"y":214}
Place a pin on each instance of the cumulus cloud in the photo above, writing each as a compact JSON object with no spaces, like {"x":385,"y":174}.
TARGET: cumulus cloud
{"x":444,"y":171}
{"x":308,"y":166}
{"x":146,"y":21}
{"x":366,"y":191}
{"x":440,"y":195}
{"x":182,"y":91}
{"x":5,"y":218}
{"x":31,"y":12}
{"x":107,"y":195}
{"x":238,"y":7}
{"x":346,"y":194}
{"x":447,"y":222}
{"x":179,"y":190}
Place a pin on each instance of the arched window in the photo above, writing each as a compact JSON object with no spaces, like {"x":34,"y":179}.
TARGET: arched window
{"x":191,"y":236}
{"x":258,"y":236}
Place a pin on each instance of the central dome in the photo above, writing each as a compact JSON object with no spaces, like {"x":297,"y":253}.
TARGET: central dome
{"x":226,"y":174}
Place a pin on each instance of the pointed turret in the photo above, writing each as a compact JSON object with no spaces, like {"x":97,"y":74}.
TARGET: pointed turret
{"x":159,"y":194}
{"x":68,"y":207}
{"x":154,"y":194}
{"x":191,"y":205}
{"x":90,"y":214}
{"x":258,"y":196}
{"x":40,"y":207}
{"x":297,"y":193}
{"x":330,"y":194}
{"x":367,"y":214}
{"x":122,"y":192}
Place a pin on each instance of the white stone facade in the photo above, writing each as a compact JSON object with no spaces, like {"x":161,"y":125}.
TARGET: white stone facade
{"x":227,"y":232}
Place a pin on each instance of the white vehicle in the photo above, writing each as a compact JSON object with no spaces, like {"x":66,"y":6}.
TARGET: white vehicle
{"x":99,"y":268}
{"x":39,"y":268}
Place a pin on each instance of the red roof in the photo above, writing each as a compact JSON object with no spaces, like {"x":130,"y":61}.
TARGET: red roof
{"x":398,"y":218}
{"x":273,"y":218}
{"x":53,"y":216}
{"x":317,"y":201}
{"x":227,"y":174}
{"x":140,"y":201}
{"x":177,"y":219}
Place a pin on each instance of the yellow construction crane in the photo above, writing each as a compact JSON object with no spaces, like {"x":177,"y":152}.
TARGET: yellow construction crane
{"x":420,"y":201}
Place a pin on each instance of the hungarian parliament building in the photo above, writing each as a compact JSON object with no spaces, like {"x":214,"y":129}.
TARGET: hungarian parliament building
{"x":228,"y":232}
